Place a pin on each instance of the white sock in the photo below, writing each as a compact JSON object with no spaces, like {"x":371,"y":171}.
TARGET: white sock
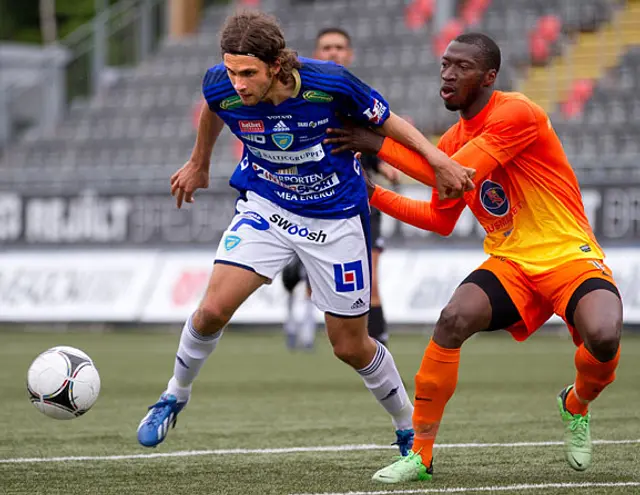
{"x":382,"y":378}
{"x":193,"y":351}
{"x":307,"y":334}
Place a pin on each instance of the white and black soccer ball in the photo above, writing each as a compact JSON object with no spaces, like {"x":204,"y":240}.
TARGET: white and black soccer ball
{"x":63,"y":383}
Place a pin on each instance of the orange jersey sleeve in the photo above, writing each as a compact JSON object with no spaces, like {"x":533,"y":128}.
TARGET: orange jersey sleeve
{"x":435,"y":216}
{"x":474,"y":155}
{"x":407,"y":161}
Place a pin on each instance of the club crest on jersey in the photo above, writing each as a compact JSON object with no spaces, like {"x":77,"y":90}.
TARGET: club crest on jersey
{"x":231,"y":241}
{"x":494,"y":199}
{"x":231,"y":103}
{"x":316,"y":96}
{"x":282,"y":140}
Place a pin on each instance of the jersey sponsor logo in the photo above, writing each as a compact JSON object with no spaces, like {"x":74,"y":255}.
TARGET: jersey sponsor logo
{"x":313,"y":154}
{"x":314,"y":123}
{"x":315,"y":137}
{"x":251,"y":125}
{"x":494,"y":199}
{"x":300,"y":184}
{"x":279,"y":117}
{"x":315,"y":96}
{"x":291,"y":228}
{"x":375,"y":115}
{"x":231,"y":241}
{"x":288,"y":171}
{"x":231,"y":103}
{"x":280,"y":126}
{"x":283,"y":140}
{"x":255,"y":138}
{"x":252,"y":219}
{"x":244,"y":163}
{"x":349,"y":277}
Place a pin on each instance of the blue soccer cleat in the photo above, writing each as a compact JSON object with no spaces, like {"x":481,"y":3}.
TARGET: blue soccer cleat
{"x":154,"y":427}
{"x":404,"y":441}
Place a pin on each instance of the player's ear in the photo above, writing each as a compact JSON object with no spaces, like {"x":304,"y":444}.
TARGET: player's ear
{"x":490,"y":77}
{"x":275,"y":67}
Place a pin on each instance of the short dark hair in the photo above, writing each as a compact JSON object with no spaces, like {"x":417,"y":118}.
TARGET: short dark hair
{"x":259,"y":35}
{"x":333,"y":30}
{"x":490,"y":51}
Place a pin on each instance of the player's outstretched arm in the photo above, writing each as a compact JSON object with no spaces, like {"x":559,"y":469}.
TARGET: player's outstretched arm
{"x":195,"y":173}
{"x":391,"y":151}
{"x":452,"y":180}
{"x":364,"y":140}
{"x":421,"y":214}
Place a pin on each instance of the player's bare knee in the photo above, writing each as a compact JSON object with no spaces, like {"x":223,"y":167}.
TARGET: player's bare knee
{"x":452,"y":327}
{"x":211,"y":317}
{"x":603,"y":339}
{"x":353,"y":352}
{"x":346,"y":352}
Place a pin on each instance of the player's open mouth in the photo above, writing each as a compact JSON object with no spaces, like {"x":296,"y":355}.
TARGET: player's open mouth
{"x":447,"y":92}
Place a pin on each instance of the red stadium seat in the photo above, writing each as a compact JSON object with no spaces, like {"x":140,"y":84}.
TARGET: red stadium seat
{"x":582,"y":89}
{"x":425,"y":7}
{"x":450,"y":31}
{"x":549,"y":27}
{"x":418,"y":13}
{"x":539,"y":49}
{"x":413,"y":19}
{"x":473,"y":10}
{"x":471,"y":15}
{"x":571,"y":108}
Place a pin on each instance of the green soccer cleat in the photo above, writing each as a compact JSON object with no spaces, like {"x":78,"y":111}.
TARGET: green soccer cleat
{"x":409,"y":468}
{"x":577,"y":435}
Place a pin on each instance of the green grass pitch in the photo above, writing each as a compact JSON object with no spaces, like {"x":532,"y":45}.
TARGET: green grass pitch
{"x":254,"y":394}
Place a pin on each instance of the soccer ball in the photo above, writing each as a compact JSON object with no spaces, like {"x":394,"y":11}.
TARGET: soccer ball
{"x":63,"y":383}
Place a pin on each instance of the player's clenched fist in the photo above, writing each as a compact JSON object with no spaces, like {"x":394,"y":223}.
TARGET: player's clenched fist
{"x":452,"y":179}
{"x":187,"y":180}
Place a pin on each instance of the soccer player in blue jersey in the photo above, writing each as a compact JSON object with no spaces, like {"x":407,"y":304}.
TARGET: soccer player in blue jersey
{"x":334,"y":44}
{"x":296,"y":197}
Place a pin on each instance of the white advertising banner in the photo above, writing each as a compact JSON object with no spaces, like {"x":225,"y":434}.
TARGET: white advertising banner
{"x":74,"y":286}
{"x":416,"y":285}
{"x":166,"y":287}
{"x":182,"y":281}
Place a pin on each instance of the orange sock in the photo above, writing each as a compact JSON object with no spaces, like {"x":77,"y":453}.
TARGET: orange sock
{"x":591,"y":379}
{"x":435,"y":383}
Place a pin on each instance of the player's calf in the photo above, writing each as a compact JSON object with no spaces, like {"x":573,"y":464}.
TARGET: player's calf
{"x":375,"y":364}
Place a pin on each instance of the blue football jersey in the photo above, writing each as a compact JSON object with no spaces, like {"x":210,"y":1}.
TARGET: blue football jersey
{"x":284,"y":159}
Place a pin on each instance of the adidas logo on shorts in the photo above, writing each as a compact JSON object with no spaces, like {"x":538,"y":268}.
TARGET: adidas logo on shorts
{"x":358,"y":304}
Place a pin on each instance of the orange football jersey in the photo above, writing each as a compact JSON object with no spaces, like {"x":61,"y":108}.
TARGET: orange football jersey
{"x":527,"y":196}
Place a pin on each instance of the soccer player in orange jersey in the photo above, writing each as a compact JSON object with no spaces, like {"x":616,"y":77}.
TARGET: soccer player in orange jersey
{"x":543,"y":256}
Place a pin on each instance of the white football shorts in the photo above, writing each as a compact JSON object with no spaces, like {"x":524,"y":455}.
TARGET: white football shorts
{"x":263,"y":237}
